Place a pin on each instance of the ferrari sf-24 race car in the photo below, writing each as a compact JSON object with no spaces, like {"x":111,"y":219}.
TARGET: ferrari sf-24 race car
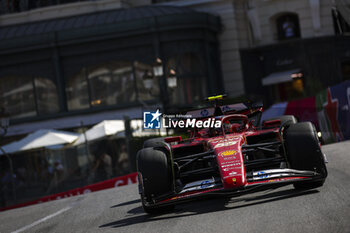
{"x":241,"y":156}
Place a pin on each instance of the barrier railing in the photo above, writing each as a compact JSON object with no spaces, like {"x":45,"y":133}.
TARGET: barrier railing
{"x":111,"y":183}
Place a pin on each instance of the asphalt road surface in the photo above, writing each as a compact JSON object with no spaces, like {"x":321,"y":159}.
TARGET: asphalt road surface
{"x":326,"y":209}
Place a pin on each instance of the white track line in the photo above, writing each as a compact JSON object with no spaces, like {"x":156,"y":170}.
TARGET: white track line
{"x":42,"y":220}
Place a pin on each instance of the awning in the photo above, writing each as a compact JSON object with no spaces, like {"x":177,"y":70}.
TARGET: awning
{"x":43,"y":138}
{"x":103,"y":129}
{"x":279,"y":77}
{"x":76,"y":121}
{"x":116,"y":128}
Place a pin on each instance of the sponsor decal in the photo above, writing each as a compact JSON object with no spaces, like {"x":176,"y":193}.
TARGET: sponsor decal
{"x":204,"y":113}
{"x":232,"y":173}
{"x":230,"y":158}
{"x":198,"y":185}
{"x":206,"y":184}
{"x":221,"y":140}
{"x":230,"y":169}
{"x":227,"y":153}
{"x":222,"y":144}
{"x":262,"y":174}
{"x":215,"y":140}
{"x":230,"y":164}
{"x":234,"y":180}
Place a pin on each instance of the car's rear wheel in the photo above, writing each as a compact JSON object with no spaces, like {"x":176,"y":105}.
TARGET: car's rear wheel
{"x":154,"y":177}
{"x":304,"y":153}
{"x":153,"y":142}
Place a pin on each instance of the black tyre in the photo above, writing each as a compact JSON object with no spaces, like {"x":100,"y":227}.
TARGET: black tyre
{"x":154,"y":177}
{"x":153,"y":142}
{"x":284,"y":119}
{"x":304,"y":153}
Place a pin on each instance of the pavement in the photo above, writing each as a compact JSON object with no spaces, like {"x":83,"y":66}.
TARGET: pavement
{"x":326,"y":209}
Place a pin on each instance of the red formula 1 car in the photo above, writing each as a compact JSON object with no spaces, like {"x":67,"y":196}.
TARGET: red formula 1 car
{"x":239,"y":157}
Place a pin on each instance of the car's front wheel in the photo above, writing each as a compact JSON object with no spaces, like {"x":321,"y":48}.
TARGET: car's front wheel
{"x":304,"y":153}
{"x":153,"y":142}
{"x":154,"y":177}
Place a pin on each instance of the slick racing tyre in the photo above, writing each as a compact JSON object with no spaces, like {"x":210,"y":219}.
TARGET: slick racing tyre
{"x":153,"y":142}
{"x":304,"y":153}
{"x":286,"y":119}
{"x":154,"y":177}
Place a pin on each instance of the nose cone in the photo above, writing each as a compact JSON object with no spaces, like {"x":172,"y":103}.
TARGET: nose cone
{"x":230,"y":160}
{"x":234,"y":181}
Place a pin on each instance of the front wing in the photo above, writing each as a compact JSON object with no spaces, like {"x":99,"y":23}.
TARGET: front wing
{"x":259,"y":181}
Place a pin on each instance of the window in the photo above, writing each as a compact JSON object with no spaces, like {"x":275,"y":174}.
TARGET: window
{"x":288,"y":26}
{"x":190,"y":85}
{"x":17,"y":94}
{"x":20,"y":94}
{"x":111,"y":84}
{"x":144,"y":73}
{"x":46,"y":95}
{"x":118,"y":83}
{"x":108,"y":84}
{"x":77,"y":91}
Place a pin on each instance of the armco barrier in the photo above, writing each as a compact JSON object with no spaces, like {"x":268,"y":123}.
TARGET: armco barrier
{"x":115,"y":182}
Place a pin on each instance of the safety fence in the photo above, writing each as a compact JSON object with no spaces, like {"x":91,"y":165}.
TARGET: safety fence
{"x":329,"y":110}
{"x":111,"y":183}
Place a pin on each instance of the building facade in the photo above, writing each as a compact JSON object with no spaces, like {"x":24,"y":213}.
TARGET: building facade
{"x":64,"y":63}
{"x":299,"y":48}
{"x":62,"y":72}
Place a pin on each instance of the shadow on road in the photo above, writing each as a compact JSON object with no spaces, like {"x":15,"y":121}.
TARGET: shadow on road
{"x":127,"y":203}
{"x":203,"y":207}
